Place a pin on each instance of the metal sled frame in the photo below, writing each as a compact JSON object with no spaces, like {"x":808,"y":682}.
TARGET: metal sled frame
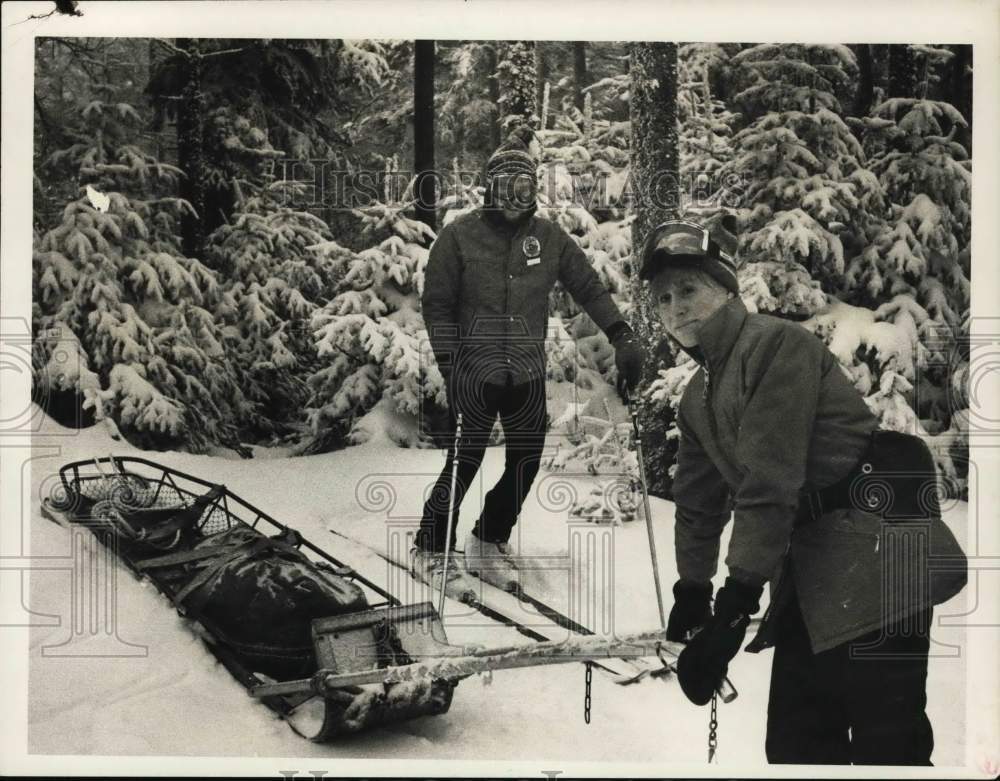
{"x":387,"y":663}
{"x":336,"y":713}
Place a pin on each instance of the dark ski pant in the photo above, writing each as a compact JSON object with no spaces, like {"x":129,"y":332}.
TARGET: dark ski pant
{"x":522,"y":412}
{"x":840,"y":707}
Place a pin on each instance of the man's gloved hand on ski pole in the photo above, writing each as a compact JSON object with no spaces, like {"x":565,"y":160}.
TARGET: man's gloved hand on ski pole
{"x":442,"y":428}
{"x":628,"y":357}
{"x":704,"y":661}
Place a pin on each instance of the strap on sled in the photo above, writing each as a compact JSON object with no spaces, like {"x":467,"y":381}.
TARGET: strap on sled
{"x":221,"y":557}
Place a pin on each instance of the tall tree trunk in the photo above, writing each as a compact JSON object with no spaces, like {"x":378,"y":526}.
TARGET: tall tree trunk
{"x":654,"y":172}
{"x":579,"y":72}
{"x":190,"y":148}
{"x":960,"y":91}
{"x":493,"y":85}
{"x":517,"y":85}
{"x":423,"y":131}
{"x":902,"y":72}
{"x":151,"y":62}
{"x":866,"y":80}
{"x":541,"y":76}
{"x":880,"y":70}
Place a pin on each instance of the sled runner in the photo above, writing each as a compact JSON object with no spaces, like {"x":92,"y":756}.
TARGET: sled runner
{"x":328,"y":650}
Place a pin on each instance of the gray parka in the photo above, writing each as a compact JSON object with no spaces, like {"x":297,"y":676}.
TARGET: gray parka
{"x":770,"y":417}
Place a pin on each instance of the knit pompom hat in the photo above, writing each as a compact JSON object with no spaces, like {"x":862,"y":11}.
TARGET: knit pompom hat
{"x":513,"y":157}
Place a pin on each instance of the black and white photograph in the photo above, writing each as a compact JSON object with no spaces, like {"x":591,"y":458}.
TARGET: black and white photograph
{"x":514,"y":390}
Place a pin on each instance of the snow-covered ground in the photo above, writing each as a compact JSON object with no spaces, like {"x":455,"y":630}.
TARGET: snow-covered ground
{"x":175,"y":699}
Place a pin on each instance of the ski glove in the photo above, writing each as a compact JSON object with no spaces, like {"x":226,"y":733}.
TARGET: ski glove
{"x":628,"y":357}
{"x":441,"y":427}
{"x":704,"y":662}
{"x":692,"y":609}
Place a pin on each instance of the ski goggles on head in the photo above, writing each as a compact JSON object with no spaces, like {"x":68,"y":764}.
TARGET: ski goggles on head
{"x":684,"y":242}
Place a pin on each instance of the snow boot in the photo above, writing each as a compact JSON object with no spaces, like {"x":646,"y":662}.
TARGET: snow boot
{"x":428,"y":567}
{"x":492,"y":562}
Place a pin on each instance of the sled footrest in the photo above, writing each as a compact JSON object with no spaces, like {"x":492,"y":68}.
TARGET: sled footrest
{"x":380,"y":637}
{"x":365,"y":642}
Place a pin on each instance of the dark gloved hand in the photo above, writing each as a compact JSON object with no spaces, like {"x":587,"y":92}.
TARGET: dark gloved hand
{"x":692,"y":609}
{"x":704,"y":661}
{"x":440,"y":423}
{"x":628,"y":357}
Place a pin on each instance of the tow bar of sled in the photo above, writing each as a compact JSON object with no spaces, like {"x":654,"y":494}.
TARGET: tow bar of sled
{"x":342,"y":641}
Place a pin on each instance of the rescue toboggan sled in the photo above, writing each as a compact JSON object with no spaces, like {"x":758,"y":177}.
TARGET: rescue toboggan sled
{"x":328,"y":650}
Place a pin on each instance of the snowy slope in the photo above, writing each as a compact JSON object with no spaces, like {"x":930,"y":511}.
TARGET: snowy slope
{"x":177,"y":700}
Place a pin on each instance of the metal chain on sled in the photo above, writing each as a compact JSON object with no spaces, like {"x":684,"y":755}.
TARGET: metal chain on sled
{"x":588,"y":676}
{"x":713,"y":726}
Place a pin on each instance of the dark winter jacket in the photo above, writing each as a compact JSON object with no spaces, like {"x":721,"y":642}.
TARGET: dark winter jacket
{"x":486,"y":288}
{"x":769,"y":418}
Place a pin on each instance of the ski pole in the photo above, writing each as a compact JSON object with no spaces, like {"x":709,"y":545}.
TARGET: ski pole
{"x":726,"y":689}
{"x":451,"y":513}
{"x":645,"y":506}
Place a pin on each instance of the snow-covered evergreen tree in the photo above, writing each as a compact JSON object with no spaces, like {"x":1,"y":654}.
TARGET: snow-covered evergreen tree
{"x":110,"y":283}
{"x":706,"y":124}
{"x":273,"y":285}
{"x":808,"y":198}
{"x":916,"y":268}
{"x":926,"y":177}
{"x":865,"y":241}
{"x":370,"y":336}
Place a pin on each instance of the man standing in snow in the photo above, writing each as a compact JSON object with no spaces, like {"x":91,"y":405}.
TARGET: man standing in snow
{"x":773,"y":432}
{"x":485,"y":304}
